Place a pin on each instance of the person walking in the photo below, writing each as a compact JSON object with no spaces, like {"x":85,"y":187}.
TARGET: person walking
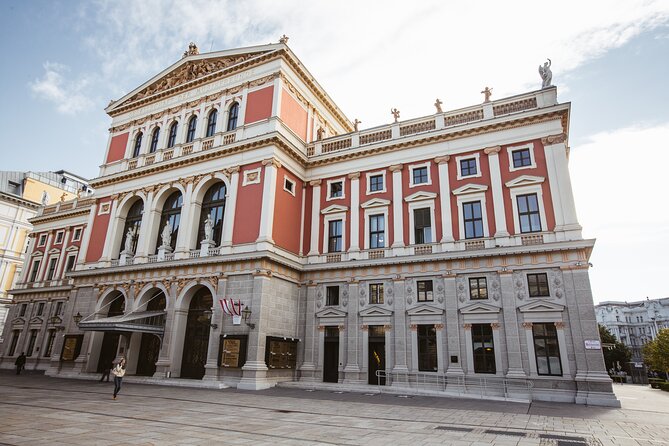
{"x":106,"y":370}
{"x":118,"y":372}
{"x":20,"y":363}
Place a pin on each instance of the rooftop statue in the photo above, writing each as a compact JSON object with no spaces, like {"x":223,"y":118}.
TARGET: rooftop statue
{"x":546,"y":74}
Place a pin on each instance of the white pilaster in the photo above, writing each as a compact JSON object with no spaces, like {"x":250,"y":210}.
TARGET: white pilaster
{"x":566,"y":222}
{"x":445,"y":200}
{"x":112,"y":230}
{"x":355,"y":211}
{"x":315,"y":216}
{"x":414,"y":347}
{"x":276,"y":99}
{"x":186,"y":223}
{"x":143,"y":241}
{"x":469,"y":347}
{"x":527,"y":326}
{"x":230,"y":207}
{"x":501,"y":233}
{"x":398,"y":215}
{"x":268,"y":199}
{"x":441,"y":354}
{"x":86,"y":236}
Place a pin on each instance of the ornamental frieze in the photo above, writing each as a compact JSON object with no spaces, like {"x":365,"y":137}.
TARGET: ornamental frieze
{"x":554,"y":139}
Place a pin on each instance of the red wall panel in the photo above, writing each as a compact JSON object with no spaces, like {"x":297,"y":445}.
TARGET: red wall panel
{"x":259,"y":105}
{"x":293,"y":115}
{"x":117,"y":147}
{"x":287,"y":213}
{"x":249,"y":205}
{"x":98,"y":235}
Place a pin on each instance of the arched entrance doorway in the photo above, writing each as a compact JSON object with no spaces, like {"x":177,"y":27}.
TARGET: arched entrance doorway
{"x":196,"y":340}
{"x":110,"y":339}
{"x":150,"y":344}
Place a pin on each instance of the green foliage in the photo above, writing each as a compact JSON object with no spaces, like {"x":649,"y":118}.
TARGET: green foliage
{"x":664,"y":386}
{"x":619,"y":354}
{"x":656,"y":352}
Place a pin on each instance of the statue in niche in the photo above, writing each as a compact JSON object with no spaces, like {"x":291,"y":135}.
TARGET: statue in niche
{"x":546,"y":74}
{"x":129,"y":237}
{"x":208,"y":229}
{"x":166,"y":235}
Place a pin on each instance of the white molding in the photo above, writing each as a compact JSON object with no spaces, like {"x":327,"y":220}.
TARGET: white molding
{"x":422,"y":204}
{"x":42,"y":240}
{"x":375,"y":202}
{"x":341,"y":180}
{"x":524,"y":190}
{"x":373,"y":174}
{"x":326,"y":230}
{"x":524,"y":180}
{"x":511,"y":149}
{"x":74,"y":233}
{"x":286,"y":179}
{"x":468,"y":198}
{"x":378,"y":210}
{"x":477,"y":157}
{"x":426,"y":164}
{"x":62,"y":240}
{"x":420,"y":196}
{"x":334,"y":208}
{"x":470,"y":188}
{"x":246,"y":181}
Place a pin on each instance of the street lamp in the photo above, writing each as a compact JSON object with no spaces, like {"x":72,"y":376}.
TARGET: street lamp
{"x":77,"y":318}
{"x":246,"y":313}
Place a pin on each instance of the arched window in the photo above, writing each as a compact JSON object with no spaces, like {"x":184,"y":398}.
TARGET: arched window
{"x":232,"y":117}
{"x":211,"y":123}
{"x":133,"y":222}
{"x":173,"y":135}
{"x":154,"y":140}
{"x":192,"y":124}
{"x":117,"y":307}
{"x":171,"y":215}
{"x":138,"y":145}
{"x":213,"y":205}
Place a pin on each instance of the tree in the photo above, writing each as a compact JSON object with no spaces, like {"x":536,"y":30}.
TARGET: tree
{"x":656,"y":352}
{"x":615,"y":352}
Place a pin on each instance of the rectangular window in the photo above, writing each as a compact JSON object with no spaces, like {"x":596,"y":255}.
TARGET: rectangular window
{"x":31,"y":342}
{"x":49,"y":343}
{"x":376,"y":293}
{"x":478,"y":288}
{"x":281,"y":354}
{"x":59,"y":237}
{"x":14,"y":188}
{"x":336,"y":189}
{"x":424,"y":289}
{"x":473,"y":219}
{"x":22,"y":311}
{"x":422,"y":226}
{"x":15,"y":340}
{"x":335,"y":236}
{"x":468,"y":167}
{"x":289,"y":186}
{"x":484,"y":349}
{"x":59,"y":308}
{"x":332,"y":296}
{"x":419,"y":175}
{"x":233,"y":351}
{"x":34,"y":271}
{"x":52,"y":268}
{"x":538,"y":285}
{"x":528,"y":213}
{"x":40,"y":308}
{"x":42,"y":240}
{"x":427,"y":348}
{"x":521,"y":158}
{"x":377,"y":230}
{"x":376,"y":183}
{"x":546,"y":349}
{"x":77,"y":235}
{"x":69,"y":266}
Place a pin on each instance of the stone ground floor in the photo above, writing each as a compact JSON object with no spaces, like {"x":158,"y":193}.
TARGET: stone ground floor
{"x":37,"y":410}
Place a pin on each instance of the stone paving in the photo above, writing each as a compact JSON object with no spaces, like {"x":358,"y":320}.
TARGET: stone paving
{"x":38,"y":410}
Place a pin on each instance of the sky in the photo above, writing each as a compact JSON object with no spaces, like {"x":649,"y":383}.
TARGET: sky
{"x":65,"y":60}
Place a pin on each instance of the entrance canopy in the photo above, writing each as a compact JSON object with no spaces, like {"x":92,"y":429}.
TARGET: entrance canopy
{"x":141,"y":321}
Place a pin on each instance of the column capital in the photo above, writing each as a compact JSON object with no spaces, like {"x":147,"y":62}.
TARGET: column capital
{"x":364,"y":327}
{"x":495,"y":325}
{"x":492,"y":150}
{"x":271,"y":161}
{"x":395,"y":168}
{"x":554,"y":139}
{"x":527,"y":325}
{"x":442,"y":159}
{"x":314,"y":183}
{"x":387,"y":327}
{"x":341,"y":327}
{"x":467,"y":326}
{"x":354,"y":176}
{"x":234,"y":169}
{"x":559,"y":325}
{"x":413,"y":327}
{"x":439,"y":327}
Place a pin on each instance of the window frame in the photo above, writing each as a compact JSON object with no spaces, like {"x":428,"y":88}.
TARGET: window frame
{"x":326,"y":230}
{"x":329,"y":196}
{"x":530,"y":148}
{"x":155,"y":138}
{"x":526,"y":190}
{"x":137,"y":147}
{"x":369,"y":176}
{"x":377,"y":290}
{"x":191,"y":129}
{"x":233,"y":118}
{"x":76,"y":235}
{"x":170,"y":215}
{"x":72,"y":257}
{"x":33,"y":276}
{"x":425,"y":292}
{"x":50,"y":273}
{"x":212,"y":119}
{"x":427,"y":165}
{"x":290,"y":190}
{"x":538,"y":285}
{"x":370,"y":233}
{"x":427,"y":341}
{"x":529,"y":213}
{"x":60,"y":237}
{"x":416,"y":205}
{"x":478,"y":287}
{"x":332,"y":296}
{"x":477,"y":157}
{"x":547,"y":356}
{"x":486,"y":355}
{"x":337,"y":237}
{"x":172,"y":135}
{"x":473,"y":220}
{"x":468,"y":198}
{"x":42,"y":240}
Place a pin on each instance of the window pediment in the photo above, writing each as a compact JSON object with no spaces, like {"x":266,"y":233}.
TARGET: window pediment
{"x":479,"y":308}
{"x":54,"y":251}
{"x":72,"y":248}
{"x":330,"y":313}
{"x":37,"y":254}
{"x":375,"y":311}
{"x":425,"y":310}
{"x":470,"y":188}
{"x":524,"y":180}
{"x":420,"y":196}
{"x":334,"y":209}
{"x":374,"y":203}
{"x":541,"y":306}
{"x":18,"y":321}
{"x":37,"y":320}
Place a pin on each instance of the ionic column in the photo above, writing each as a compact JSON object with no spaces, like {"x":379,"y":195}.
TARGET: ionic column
{"x":268,"y":199}
{"x":315,"y":216}
{"x":497,"y":195}
{"x":514,"y":356}
{"x":230,"y":207}
{"x":445,"y":199}
{"x":398,"y":215}
{"x":355,"y":211}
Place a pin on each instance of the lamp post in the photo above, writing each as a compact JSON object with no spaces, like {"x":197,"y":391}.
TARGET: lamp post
{"x":246,"y":313}
{"x":77,"y":318}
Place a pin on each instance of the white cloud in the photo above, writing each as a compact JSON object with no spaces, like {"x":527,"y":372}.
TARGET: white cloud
{"x":620,"y":182}
{"x":67,"y":95}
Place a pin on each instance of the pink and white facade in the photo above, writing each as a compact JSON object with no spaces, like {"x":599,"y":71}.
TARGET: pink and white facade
{"x":445,"y":247}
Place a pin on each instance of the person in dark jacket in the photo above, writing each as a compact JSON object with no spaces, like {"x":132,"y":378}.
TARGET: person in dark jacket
{"x":20,"y":363}
{"x":105,"y":371}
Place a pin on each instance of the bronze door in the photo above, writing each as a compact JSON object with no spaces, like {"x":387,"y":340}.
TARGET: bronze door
{"x":148,"y":355}
{"x":108,"y":351}
{"x":377,"y":356}
{"x":196,"y":340}
{"x":331,"y":355}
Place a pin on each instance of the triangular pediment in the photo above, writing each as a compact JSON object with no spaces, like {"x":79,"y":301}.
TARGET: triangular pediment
{"x":36,"y":320}
{"x":330,"y":312}
{"x":334,"y":209}
{"x":192,"y":68}
{"x":420,"y":196}
{"x":375,"y":311}
{"x":524,"y":180}
{"x":18,"y":321}
{"x":540,"y":306}
{"x":425,"y":310}
{"x":72,"y":248}
{"x":479,"y":308}
{"x":56,"y":320}
{"x":37,"y":254}
{"x":54,"y":251}
{"x":470,"y":188}
{"x":374,"y":203}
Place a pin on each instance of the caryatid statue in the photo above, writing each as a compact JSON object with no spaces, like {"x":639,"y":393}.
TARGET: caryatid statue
{"x":546,"y":74}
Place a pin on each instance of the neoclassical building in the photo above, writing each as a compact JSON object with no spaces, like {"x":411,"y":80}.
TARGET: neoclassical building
{"x":245,"y":231}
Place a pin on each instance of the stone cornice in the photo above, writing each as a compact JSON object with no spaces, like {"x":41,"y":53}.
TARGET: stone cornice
{"x":60,"y":216}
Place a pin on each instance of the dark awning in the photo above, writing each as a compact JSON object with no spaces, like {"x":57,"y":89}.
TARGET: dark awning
{"x":141,"y":322}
